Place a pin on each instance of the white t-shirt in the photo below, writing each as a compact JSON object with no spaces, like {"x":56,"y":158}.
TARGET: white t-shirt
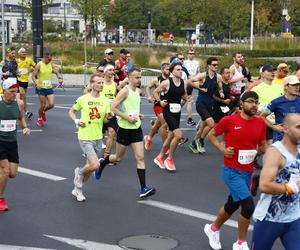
{"x":192,"y":66}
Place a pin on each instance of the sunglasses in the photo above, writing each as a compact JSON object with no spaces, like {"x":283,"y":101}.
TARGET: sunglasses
{"x":214,"y":65}
{"x":191,"y":53}
{"x":111,"y":53}
{"x":180,"y":58}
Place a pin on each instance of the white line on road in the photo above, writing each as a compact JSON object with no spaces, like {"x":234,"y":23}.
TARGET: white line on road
{"x":187,"y":211}
{"x":32,"y":130}
{"x":11,"y":247}
{"x":41,"y":174}
{"x":62,"y":107}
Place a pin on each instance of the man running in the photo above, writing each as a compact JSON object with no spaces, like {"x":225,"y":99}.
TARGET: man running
{"x":44,"y":88}
{"x":121,"y":68}
{"x":94,"y":110}
{"x":239,"y":154}
{"x":281,"y":72}
{"x":207,"y":83}
{"x":11,"y":110}
{"x":25,"y":67}
{"x":174,"y":91}
{"x":282,"y":106}
{"x":130,"y":131}
{"x":10,"y":65}
{"x":160,"y":122}
{"x":277,"y":214}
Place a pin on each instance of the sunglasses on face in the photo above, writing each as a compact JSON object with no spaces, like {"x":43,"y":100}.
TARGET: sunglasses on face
{"x":110,"y":54}
{"x":180,"y":58}
{"x":191,"y":53}
{"x":214,"y":64}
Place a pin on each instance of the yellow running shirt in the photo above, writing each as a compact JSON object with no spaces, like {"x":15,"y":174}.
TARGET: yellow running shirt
{"x":24,"y":68}
{"x":109,"y":91}
{"x":93,"y":111}
{"x":45,"y":75}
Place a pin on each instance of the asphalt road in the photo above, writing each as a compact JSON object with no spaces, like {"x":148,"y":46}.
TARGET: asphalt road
{"x":44,"y":214}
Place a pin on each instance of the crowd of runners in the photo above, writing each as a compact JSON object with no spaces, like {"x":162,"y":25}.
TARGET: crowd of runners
{"x":242,"y":118}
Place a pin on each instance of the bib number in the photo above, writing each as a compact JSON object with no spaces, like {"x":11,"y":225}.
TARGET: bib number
{"x":23,"y":71}
{"x":8,"y":125}
{"x":246,"y":156}
{"x":175,"y":107}
{"x":47,"y":83}
{"x":224,"y":109}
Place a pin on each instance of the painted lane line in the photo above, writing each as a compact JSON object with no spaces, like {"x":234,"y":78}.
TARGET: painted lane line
{"x":41,"y":174}
{"x":84,"y":244}
{"x":188,"y":212}
{"x":31,"y":130}
{"x":62,"y":107}
{"x":11,"y":247}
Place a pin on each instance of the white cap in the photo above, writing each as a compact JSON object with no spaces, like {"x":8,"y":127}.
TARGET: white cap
{"x":291,"y":80}
{"x":107,"y":51}
{"x":10,"y":83}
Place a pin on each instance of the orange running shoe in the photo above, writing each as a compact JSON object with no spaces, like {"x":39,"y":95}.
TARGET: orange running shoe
{"x":147,"y":143}
{"x":40,"y":122}
{"x":169,"y":164}
{"x":159,"y":161}
{"x":3,"y":205}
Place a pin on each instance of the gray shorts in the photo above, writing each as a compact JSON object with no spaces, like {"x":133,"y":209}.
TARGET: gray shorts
{"x":91,"y":147}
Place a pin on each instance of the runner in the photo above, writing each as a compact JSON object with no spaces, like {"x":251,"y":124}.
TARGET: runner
{"x":10,"y":112}
{"x":174,"y":90}
{"x":157,"y":108}
{"x":222,"y":106}
{"x":109,"y":54}
{"x":130,"y":131}
{"x":43,"y":71}
{"x":283,"y":105}
{"x":10,"y":65}
{"x":277,"y":214}
{"x":207,"y":83}
{"x":121,"y":68}
{"x":193,"y":68}
{"x":239,"y":153}
{"x":110,"y":92}
{"x":25,"y":67}
{"x":281,"y":73}
{"x":94,"y":110}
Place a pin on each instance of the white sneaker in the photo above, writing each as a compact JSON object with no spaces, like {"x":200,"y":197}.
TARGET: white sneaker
{"x":78,"y":179}
{"x":103,"y":146}
{"x":214,"y":237}
{"x":243,"y":246}
{"x":78,"y":194}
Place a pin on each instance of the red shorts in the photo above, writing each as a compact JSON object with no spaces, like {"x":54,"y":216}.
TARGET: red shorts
{"x":157,"y":110}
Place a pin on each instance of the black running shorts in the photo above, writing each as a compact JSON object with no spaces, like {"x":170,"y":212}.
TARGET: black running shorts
{"x":9,"y":151}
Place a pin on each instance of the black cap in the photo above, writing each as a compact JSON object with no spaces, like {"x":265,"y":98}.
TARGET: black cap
{"x":268,"y":67}
{"x":249,"y":94}
{"x":124,"y":51}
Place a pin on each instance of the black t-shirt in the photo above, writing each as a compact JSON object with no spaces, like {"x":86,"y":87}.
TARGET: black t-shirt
{"x":226,"y":91}
{"x":104,"y":62}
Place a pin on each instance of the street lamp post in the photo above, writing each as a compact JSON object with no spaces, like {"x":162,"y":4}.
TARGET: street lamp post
{"x":3,"y":29}
{"x":149,"y":29}
{"x":252,"y":25}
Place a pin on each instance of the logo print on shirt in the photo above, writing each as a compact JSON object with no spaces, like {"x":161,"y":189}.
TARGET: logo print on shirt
{"x":236,"y":128}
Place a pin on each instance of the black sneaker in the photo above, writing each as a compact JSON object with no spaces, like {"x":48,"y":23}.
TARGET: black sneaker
{"x":28,"y":115}
{"x":191,"y":122}
{"x":182,"y":141}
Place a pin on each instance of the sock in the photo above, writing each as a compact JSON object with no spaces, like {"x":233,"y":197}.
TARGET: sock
{"x":105,"y":162}
{"x":202,"y":142}
{"x":214,"y":228}
{"x":142,"y":177}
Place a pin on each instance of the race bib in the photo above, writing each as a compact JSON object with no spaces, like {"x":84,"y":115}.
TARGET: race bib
{"x":224,"y":109}
{"x":246,"y":156}
{"x":47,"y":83}
{"x":175,"y":107}
{"x":23,"y":71}
{"x":8,"y":125}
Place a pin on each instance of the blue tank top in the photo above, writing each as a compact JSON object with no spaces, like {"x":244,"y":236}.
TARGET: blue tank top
{"x":281,"y":208}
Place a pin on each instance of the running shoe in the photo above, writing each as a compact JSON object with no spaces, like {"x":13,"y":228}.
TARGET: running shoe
{"x":98,"y":172}
{"x":103,"y":146}
{"x":77,"y":192}
{"x":169,"y":163}
{"x":44,"y":117}
{"x":147,"y":143}
{"x":198,"y":145}
{"x":213,"y":237}
{"x":192,"y":147}
{"x":40,"y":122}
{"x":28,"y":115}
{"x":202,"y":150}
{"x":191,"y":122}
{"x":159,"y":161}
{"x":78,"y":179}
{"x":254,"y":184}
{"x":242,"y":246}
{"x":146,"y":192}
{"x":3,"y":205}
{"x":182,"y":141}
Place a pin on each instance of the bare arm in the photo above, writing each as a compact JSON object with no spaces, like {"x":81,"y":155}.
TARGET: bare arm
{"x":34,"y":73}
{"x":55,"y":71}
{"x":72,"y":115}
{"x":277,"y":128}
{"x":122,"y":84}
{"x":163,"y":87}
{"x":212,"y":136}
{"x":149,"y":86}
{"x":22,"y":122}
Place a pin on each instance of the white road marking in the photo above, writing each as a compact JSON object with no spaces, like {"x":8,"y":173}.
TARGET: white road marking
{"x":32,"y":130}
{"x":11,"y":247}
{"x":62,"y":107}
{"x":187,"y":211}
{"x":41,"y":174}
{"x":189,"y":129}
{"x":84,"y":244}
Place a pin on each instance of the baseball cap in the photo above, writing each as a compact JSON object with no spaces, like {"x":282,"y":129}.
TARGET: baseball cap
{"x":10,"y":83}
{"x":108,"y":51}
{"x":249,"y":94}
{"x":268,"y":67}
{"x":124,"y":51}
{"x":282,"y":66}
{"x":291,"y":80}
{"x":175,"y":60}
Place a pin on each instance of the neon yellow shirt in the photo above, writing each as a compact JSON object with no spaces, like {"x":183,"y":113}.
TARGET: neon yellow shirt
{"x":268,"y":92}
{"x":45,"y":75}
{"x":24,"y":68}
{"x":109,"y":91}
{"x":93,"y":111}
{"x":278,"y":81}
